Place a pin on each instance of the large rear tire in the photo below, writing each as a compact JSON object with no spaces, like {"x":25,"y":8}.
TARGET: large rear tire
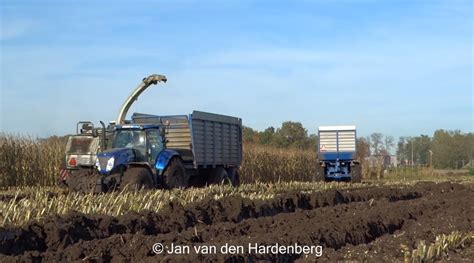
{"x":175,"y":175}
{"x":356,"y":173}
{"x":136,"y":178}
{"x":218,"y":175}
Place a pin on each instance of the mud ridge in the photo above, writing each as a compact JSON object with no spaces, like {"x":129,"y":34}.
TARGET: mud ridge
{"x":362,"y":216}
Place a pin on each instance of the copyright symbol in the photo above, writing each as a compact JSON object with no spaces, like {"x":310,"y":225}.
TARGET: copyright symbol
{"x":157,"y":248}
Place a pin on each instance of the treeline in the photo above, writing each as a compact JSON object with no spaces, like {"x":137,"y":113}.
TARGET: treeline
{"x":445,"y":150}
{"x":289,"y":135}
{"x":294,"y":136}
{"x":375,"y":144}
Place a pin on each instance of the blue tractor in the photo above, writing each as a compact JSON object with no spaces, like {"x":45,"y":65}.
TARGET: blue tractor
{"x":175,"y":151}
{"x":337,"y":154}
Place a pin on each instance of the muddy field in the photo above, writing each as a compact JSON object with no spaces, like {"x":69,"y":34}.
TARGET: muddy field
{"x":371,"y":223}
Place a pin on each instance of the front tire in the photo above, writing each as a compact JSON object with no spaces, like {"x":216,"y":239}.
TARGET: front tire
{"x":175,"y":175}
{"x":136,"y":178}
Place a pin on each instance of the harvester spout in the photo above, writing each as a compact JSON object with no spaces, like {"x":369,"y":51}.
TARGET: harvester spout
{"x":152,"y":79}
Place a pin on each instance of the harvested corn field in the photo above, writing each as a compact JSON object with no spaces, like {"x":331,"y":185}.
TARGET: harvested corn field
{"x":375,"y":222}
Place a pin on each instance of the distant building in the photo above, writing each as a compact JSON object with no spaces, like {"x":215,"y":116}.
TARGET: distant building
{"x":394,"y":160}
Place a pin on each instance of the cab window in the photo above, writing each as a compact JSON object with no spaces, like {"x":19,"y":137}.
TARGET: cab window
{"x":154,"y":146}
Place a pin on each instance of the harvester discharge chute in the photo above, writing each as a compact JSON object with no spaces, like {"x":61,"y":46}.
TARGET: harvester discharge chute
{"x":80,"y":174}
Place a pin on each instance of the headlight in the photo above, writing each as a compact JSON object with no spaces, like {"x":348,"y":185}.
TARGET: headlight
{"x":97,"y":163}
{"x":110,"y":164}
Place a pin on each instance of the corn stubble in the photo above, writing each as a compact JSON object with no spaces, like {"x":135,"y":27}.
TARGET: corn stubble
{"x":441,"y":246}
{"x":21,"y":205}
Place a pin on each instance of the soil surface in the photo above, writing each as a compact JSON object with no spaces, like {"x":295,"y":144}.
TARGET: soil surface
{"x":374,"y":224}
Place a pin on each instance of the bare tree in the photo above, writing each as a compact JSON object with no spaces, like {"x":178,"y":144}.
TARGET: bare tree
{"x":363,"y":148}
{"x":376,"y":142}
{"x":389,"y":142}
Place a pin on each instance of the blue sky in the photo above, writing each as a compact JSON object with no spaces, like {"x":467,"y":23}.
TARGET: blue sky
{"x":397,"y":67}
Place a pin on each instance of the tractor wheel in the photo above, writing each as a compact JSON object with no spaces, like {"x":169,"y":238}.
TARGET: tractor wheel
{"x":356,"y":173}
{"x":175,"y":175}
{"x":136,"y":178}
{"x":234,"y":176}
{"x":218,"y":176}
{"x":319,"y":177}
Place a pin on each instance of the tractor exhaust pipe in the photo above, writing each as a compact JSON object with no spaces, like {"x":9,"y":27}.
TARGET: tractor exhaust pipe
{"x":146,"y":82}
{"x":103,"y":145}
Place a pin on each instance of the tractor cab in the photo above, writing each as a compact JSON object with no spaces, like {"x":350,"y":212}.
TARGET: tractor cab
{"x":131,"y":144}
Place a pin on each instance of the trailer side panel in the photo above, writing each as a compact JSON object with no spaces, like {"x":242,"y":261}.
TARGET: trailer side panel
{"x":217,"y":139}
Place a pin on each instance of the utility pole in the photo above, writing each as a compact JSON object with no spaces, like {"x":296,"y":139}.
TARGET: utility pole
{"x":412,"y":164}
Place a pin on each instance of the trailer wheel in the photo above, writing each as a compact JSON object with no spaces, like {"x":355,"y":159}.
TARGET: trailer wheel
{"x":218,"y":176}
{"x":234,"y":176}
{"x":356,"y":173}
{"x":175,"y":175}
{"x":319,"y":173}
{"x":136,"y":178}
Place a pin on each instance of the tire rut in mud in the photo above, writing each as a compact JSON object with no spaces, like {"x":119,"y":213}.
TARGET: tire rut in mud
{"x":331,"y":218}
